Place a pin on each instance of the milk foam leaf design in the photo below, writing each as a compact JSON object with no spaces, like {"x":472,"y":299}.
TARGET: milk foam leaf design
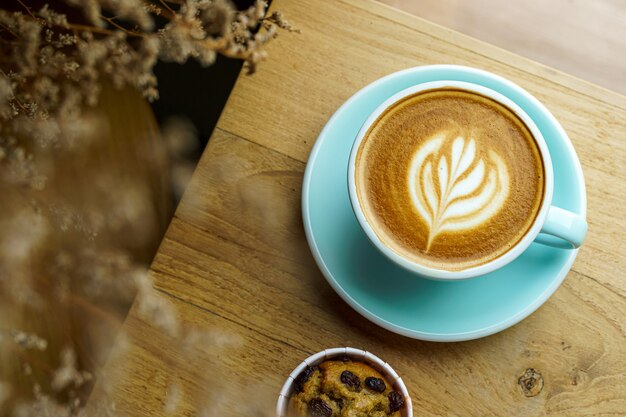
{"x":453,"y":188}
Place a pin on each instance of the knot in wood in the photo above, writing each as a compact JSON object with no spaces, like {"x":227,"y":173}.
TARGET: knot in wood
{"x":531,"y":382}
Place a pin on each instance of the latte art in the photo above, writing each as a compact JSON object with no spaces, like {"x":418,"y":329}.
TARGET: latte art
{"x":452,"y":188}
{"x":449,"y":178}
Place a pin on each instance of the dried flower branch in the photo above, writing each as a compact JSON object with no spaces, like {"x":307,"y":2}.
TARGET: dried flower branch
{"x":52,"y":67}
{"x":278,"y":19}
{"x":61,"y":248}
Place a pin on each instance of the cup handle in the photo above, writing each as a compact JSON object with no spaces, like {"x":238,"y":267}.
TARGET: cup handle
{"x":562,"y":229}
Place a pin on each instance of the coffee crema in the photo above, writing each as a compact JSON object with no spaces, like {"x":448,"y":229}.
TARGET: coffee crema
{"x":449,"y":178}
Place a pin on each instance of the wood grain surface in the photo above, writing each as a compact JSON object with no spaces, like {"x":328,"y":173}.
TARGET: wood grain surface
{"x":584,"y":38}
{"x":235,"y":261}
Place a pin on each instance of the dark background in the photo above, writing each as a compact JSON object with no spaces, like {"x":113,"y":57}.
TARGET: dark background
{"x":196,"y":93}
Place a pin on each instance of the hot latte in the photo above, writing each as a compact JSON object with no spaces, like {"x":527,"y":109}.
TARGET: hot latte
{"x":449,"y":178}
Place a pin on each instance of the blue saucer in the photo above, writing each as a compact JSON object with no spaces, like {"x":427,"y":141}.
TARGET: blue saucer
{"x":393,"y":297}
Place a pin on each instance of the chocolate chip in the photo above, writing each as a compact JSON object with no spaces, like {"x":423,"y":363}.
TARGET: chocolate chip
{"x":350,"y":380}
{"x":375,"y":384}
{"x":395,"y":401}
{"x":298,"y":383}
{"x":318,"y":408}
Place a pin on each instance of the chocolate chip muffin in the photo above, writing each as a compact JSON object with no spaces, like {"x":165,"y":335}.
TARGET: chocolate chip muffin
{"x":344,"y":389}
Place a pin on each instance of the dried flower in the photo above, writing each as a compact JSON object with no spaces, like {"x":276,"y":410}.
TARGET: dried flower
{"x":28,"y":370}
{"x":154,"y":307}
{"x":217,"y":19}
{"x":67,"y":373}
{"x":43,"y":405}
{"x":52,"y":18}
{"x":54,"y":67}
{"x":29,"y":340}
{"x":131,"y":10}
{"x":180,"y":138}
{"x":91,"y":10}
{"x":172,"y":398}
{"x":6,"y":95}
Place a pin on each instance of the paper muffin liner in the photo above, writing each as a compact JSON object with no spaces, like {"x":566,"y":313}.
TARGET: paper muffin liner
{"x":357,"y":355}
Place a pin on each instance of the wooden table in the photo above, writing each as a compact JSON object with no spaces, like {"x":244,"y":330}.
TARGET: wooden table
{"x":235,"y":263}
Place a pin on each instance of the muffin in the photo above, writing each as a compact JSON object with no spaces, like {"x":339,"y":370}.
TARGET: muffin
{"x":344,"y":388}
